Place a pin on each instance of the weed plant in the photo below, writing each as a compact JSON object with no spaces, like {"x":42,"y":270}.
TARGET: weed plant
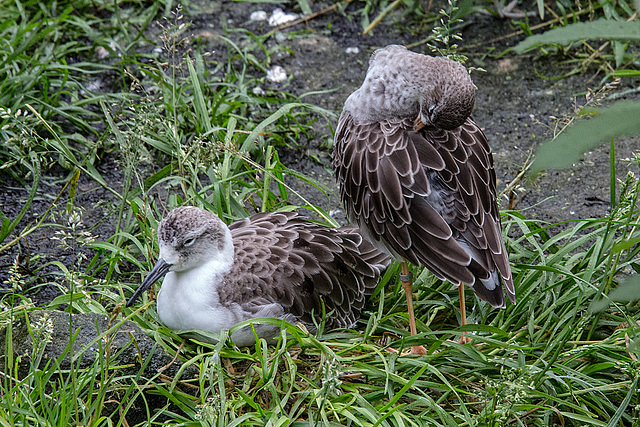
{"x":566,"y":354}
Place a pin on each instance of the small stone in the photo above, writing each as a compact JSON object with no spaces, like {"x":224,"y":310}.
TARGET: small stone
{"x":354,"y":49}
{"x":507,"y":66}
{"x":258,"y":15}
{"x":276,"y":74}
{"x":101,"y":52}
{"x":278,"y":17}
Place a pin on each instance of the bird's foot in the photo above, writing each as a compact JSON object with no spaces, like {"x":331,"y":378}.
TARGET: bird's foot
{"x":464,"y":340}
{"x":418,"y":349}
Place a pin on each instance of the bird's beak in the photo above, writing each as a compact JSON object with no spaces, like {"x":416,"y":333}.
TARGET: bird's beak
{"x":418,"y":124}
{"x":159,"y":270}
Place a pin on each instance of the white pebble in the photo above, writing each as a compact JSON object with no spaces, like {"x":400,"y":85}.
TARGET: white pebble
{"x":278,"y":17}
{"x":258,"y":91}
{"x":101,"y":52}
{"x":276,"y":74}
{"x":94,"y":86}
{"x":353,"y":50}
{"x":258,"y":15}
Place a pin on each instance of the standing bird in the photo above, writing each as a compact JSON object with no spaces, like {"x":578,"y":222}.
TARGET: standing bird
{"x":416,"y":174}
{"x":268,"y":265}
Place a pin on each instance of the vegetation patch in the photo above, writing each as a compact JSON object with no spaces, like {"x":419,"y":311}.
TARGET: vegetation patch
{"x":110,"y":117}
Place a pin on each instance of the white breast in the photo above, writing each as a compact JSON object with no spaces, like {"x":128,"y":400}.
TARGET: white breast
{"x":189,"y":300}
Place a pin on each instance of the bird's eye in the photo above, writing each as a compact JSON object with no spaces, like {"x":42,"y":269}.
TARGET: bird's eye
{"x":189,"y":242}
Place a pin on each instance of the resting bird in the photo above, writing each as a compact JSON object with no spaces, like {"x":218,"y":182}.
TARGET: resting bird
{"x":268,"y":265}
{"x":416,"y":174}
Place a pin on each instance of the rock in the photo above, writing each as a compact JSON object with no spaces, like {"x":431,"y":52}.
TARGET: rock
{"x":129,"y":347}
{"x":87,"y":327}
{"x":258,"y":15}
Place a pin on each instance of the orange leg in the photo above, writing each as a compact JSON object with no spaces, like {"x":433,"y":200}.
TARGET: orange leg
{"x":463,"y":310}
{"x":407,"y":285}
{"x":463,"y":313}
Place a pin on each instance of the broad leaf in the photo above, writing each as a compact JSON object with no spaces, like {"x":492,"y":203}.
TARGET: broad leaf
{"x":601,"y":29}
{"x":621,"y":119}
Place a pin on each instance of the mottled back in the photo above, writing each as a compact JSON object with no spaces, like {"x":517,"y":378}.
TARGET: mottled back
{"x":280,"y":258}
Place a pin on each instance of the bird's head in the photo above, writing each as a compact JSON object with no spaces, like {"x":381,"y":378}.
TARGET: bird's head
{"x":188,"y":236}
{"x":447,"y":96}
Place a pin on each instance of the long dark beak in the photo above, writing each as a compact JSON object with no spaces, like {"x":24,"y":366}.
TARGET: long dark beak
{"x":159,"y":270}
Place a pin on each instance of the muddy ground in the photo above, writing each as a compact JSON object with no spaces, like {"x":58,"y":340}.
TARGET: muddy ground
{"x":517,"y":108}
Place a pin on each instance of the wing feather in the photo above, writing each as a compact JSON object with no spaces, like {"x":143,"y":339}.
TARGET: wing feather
{"x":281,"y":258}
{"x":434,"y":198}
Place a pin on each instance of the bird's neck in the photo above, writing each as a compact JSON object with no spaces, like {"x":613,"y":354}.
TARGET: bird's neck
{"x":204,"y":275}
{"x":188,"y":299}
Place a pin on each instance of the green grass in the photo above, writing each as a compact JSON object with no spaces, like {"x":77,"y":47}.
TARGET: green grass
{"x":564,"y":355}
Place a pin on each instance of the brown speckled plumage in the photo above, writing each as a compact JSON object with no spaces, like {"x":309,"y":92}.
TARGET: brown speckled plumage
{"x":416,"y":173}
{"x":281,"y":258}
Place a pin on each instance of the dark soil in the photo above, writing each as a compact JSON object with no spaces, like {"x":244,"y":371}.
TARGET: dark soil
{"x":516,"y":107}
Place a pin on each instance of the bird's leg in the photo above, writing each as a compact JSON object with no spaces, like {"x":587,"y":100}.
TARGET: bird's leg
{"x":463,"y":310}
{"x":406,"y":279}
{"x":463,"y":313}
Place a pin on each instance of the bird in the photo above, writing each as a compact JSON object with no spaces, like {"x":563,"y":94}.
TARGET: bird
{"x":416,"y":174}
{"x":267,"y":265}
